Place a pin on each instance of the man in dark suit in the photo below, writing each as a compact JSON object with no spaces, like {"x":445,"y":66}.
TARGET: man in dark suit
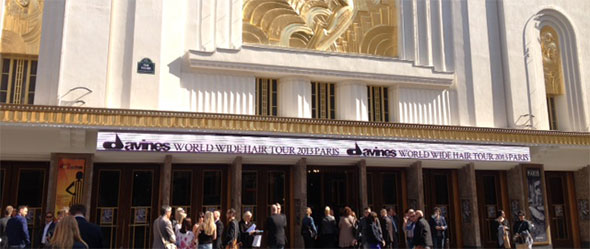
{"x":230,"y":237}
{"x":45,"y":234}
{"x":275,"y":229}
{"x":217,"y":243}
{"x":17,"y":229}
{"x":422,"y":235}
{"x":386,"y":228}
{"x":91,"y":233}
{"x":393,"y":216}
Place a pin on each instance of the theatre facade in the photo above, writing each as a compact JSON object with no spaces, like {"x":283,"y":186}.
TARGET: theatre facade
{"x":470,"y":106}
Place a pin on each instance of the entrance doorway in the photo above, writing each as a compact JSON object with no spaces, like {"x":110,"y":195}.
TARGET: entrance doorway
{"x":559,"y":205}
{"x":490,"y":192}
{"x":263,"y":186}
{"x":125,"y":203}
{"x":336,"y":187}
{"x":199,"y":188}
{"x":25,"y":183}
{"x":438,"y":192}
{"x":384,"y":189}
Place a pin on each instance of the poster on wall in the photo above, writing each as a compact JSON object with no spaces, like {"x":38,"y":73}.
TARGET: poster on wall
{"x":536,"y":205}
{"x":70,"y":182}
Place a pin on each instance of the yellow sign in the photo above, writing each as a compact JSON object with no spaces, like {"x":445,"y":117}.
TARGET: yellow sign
{"x":70,"y":182}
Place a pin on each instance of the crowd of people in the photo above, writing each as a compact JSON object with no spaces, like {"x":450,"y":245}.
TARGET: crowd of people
{"x":69,"y":229}
{"x":209,"y":232}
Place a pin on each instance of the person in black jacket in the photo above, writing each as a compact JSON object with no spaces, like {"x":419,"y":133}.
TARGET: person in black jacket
{"x":522,"y":231}
{"x":91,"y":233}
{"x":230,"y":237}
{"x":275,"y":229}
{"x":328,"y":230}
{"x":217,"y":243}
{"x":422,"y":235}
{"x":246,"y":237}
{"x":374,"y":237}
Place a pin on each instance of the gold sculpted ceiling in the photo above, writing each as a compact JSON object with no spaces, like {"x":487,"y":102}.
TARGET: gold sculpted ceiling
{"x":21,"y":31}
{"x":347,"y":26}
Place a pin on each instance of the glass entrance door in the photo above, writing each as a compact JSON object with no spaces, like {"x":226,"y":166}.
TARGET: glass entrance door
{"x":438,"y":192}
{"x":489,"y":201}
{"x":559,"y":209}
{"x":124,"y":203}
{"x":336,"y":187}
{"x":199,"y":188}
{"x":25,"y":183}
{"x":263,"y":186}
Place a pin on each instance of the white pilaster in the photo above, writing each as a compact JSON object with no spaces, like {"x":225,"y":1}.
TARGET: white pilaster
{"x":351,"y":101}
{"x":147,"y":41}
{"x":50,"y":51}
{"x":480,"y":77}
{"x":294,"y":97}
{"x":120,"y":54}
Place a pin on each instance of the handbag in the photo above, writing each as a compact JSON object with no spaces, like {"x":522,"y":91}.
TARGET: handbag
{"x":233,"y":245}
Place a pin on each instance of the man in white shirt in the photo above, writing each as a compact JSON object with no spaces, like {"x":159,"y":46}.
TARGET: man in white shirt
{"x":48,"y":229}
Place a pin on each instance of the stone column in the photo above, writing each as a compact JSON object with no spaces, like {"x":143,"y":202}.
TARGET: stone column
{"x":52,"y":183}
{"x":351,"y":101}
{"x":516,"y":193}
{"x":468,"y":196}
{"x":415,"y":186}
{"x":294,"y":97}
{"x":165,"y":180}
{"x":363,"y":200}
{"x":582,"y":186}
{"x":235,"y":172}
{"x":299,"y":173}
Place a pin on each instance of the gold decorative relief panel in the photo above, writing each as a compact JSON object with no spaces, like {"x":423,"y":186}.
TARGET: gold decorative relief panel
{"x":551,"y":61}
{"x":347,"y":26}
{"x":21,"y":31}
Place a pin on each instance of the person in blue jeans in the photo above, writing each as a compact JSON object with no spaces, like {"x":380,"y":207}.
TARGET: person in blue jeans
{"x":438,"y":224}
{"x":17,"y":229}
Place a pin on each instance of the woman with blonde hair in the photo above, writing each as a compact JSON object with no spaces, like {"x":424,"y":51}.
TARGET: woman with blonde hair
{"x":207,"y":232}
{"x":67,"y":235}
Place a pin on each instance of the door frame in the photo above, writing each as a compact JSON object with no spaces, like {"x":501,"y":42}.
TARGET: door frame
{"x":11,"y":171}
{"x":125,"y":191}
{"x":196,"y":195}
{"x":262,"y":195}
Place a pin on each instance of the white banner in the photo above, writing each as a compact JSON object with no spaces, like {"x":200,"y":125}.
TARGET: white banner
{"x":230,"y":144}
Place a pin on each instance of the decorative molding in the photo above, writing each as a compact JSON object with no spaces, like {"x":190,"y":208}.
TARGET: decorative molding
{"x":99,"y":118}
{"x":248,"y":59}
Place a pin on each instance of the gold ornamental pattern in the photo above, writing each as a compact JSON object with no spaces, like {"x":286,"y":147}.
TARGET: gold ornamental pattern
{"x":21,"y":31}
{"x":346,"y":26}
{"x":100,"y":118}
{"x":551,"y":61}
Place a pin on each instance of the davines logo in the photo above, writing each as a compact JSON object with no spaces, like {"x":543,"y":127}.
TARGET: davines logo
{"x":135,"y":146}
{"x":376,"y":152}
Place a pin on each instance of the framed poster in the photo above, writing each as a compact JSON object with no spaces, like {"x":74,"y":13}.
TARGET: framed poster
{"x":70,"y":182}
{"x":466,"y":210}
{"x":535,"y":207}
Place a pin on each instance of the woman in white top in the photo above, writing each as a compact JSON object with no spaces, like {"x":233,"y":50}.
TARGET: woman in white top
{"x":185,"y":239}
